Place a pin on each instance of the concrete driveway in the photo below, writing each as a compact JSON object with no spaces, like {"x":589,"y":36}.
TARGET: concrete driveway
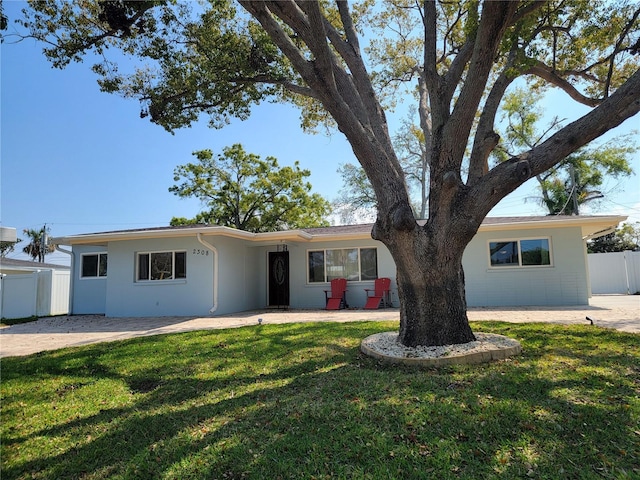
{"x":621,"y":312}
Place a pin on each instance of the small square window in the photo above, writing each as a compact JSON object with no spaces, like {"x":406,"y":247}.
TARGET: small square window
{"x":535,"y":252}
{"x":504,"y":254}
{"x":94,"y":265}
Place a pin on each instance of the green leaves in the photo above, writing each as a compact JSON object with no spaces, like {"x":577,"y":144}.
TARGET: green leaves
{"x":189,"y":60}
{"x":38,"y":247}
{"x":245,"y":192}
{"x":581,"y":174}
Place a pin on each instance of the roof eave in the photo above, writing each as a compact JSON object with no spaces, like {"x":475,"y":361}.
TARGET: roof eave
{"x":101,"y":238}
{"x":591,"y":227}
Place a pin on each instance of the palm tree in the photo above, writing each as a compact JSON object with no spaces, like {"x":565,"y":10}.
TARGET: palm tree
{"x":38,"y":247}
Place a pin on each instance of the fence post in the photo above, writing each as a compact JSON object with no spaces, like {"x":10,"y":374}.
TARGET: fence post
{"x":626,"y":270}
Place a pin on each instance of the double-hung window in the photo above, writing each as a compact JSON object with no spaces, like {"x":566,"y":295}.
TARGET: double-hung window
{"x":535,"y":252}
{"x":94,"y":265}
{"x":354,"y":264}
{"x":153,"y":266}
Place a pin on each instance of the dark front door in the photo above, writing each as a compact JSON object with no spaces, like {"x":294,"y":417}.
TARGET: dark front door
{"x":279,"y":279}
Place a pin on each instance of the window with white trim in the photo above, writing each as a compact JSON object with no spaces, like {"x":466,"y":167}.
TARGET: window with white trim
{"x":156,"y":266}
{"x":534,"y":252}
{"x":354,"y":264}
{"x":94,"y":265}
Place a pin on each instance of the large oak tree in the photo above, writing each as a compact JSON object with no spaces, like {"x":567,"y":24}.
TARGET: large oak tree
{"x":461,"y":57}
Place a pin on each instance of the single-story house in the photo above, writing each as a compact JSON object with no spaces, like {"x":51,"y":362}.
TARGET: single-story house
{"x":210,"y":270}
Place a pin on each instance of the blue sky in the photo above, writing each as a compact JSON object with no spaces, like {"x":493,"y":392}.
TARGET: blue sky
{"x":83,"y":161}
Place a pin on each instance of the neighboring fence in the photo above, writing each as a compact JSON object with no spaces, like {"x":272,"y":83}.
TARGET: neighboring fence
{"x":615,"y":272}
{"x":41,"y":293}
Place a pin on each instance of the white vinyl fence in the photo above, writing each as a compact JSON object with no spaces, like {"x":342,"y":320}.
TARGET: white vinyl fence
{"x":41,"y":293}
{"x":615,"y":272}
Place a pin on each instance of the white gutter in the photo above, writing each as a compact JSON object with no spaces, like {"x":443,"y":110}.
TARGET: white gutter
{"x":71,"y":275}
{"x":215,"y":270}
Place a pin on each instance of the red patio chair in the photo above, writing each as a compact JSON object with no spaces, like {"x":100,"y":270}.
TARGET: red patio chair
{"x":380,"y":294}
{"x":336,"y":298}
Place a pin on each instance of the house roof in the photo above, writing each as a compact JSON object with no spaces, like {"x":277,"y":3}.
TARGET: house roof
{"x":27,"y":265}
{"x":592,"y":226}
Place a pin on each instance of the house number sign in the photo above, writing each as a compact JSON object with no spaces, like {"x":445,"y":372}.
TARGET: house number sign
{"x":197,"y":251}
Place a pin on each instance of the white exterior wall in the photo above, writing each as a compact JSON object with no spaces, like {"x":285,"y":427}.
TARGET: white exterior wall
{"x":614,"y":272}
{"x":89,"y":295}
{"x":238,"y":272}
{"x":311,"y":295}
{"x":190,"y":296}
{"x":563,"y":283}
{"x":243,"y":281}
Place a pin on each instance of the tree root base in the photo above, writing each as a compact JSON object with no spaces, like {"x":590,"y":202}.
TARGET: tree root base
{"x":487,"y":347}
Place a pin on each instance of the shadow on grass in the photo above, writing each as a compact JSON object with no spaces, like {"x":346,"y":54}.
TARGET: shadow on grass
{"x":300,"y":401}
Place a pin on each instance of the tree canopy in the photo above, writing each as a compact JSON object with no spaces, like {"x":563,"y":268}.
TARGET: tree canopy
{"x":576,"y":180}
{"x":458,"y":57}
{"x":245,"y":192}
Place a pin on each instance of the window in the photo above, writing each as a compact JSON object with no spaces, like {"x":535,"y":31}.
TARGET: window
{"x":520,"y":253}
{"x":94,"y":265}
{"x":354,"y":264}
{"x":162,"y":266}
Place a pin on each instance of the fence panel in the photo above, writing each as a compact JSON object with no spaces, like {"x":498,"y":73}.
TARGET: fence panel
{"x":614,"y":272}
{"x":41,"y":293}
{"x":19,"y":295}
{"x":60,"y":289}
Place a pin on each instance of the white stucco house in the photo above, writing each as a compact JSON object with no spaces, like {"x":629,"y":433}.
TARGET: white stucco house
{"x":210,"y":270}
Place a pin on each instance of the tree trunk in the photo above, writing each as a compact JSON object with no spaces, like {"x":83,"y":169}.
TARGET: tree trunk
{"x":430,"y":278}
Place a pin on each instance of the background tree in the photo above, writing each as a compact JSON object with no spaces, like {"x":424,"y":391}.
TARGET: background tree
{"x":411,"y":146}
{"x":8,"y":247}
{"x":39,"y":245}
{"x":3,"y":18}
{"x":357,"y":198}
{"x":459,"y":56}
{"x":576,"y":180}
{"x":245,"y":192}
{"x":356,"y":201}
{"x":626,"y":237}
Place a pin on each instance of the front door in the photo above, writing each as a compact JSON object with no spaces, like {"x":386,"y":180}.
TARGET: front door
{"x":278,"y":279}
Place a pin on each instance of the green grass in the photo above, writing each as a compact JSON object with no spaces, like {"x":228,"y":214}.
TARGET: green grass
{"x":5,"y":322}
{"x":300,"y":401}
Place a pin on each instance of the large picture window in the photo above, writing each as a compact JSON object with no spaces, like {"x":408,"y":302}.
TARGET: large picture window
{"x":161,"y":266}
{"x":354,"y":264}
{"x":94,"y":265}
{"x":520,"y":253}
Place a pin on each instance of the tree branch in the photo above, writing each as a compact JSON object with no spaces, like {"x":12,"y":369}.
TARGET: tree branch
{"x":493,"y":22}
{"x":261,"y":13}
{"x":507,"y":176}
{"x":324,"y":61}
{"x":547,"y":73}
{"x":623,"y":34}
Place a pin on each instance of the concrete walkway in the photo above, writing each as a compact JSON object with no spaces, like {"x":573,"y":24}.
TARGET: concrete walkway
{"x":621,"y":312}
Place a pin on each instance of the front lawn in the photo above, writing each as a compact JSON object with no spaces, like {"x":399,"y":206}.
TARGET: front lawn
{"x":299,"y":401}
